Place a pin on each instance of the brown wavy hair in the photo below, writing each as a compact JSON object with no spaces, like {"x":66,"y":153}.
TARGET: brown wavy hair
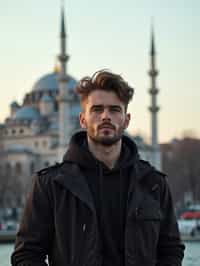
{"x":107,"y":81}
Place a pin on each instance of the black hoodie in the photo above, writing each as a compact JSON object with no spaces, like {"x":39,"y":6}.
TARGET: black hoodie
{"x":109,"y":188}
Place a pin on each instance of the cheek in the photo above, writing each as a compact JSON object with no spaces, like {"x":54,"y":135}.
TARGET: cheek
{"x":121,"y":121}
{"x":94,"y":119}
{"x":91,"y":122}
{"x":123,"y":124}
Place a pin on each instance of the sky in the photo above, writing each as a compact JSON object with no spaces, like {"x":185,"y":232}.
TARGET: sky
{"x":112,"y":34}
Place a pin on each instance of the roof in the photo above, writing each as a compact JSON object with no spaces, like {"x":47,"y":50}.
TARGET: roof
{"x":50,"y":82}
{"x":46,"y":98}
{"x":28,"y":113}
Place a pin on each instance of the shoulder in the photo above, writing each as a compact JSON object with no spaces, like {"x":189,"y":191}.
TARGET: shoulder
{"x":58,"y":171}
{"x":49,"y":170}
{"x":152,"y":177}
{"x":45,"y":175}
{"x":155,"y":182}
{"x":147,"y":167}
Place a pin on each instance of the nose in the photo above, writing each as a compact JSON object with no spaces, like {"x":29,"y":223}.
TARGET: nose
{"x":106,"y":115}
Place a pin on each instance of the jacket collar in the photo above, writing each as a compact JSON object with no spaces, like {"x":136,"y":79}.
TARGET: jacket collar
{"x":72,"y":179}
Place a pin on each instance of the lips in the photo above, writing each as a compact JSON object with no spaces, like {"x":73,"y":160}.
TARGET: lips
{"x":106,"y":126}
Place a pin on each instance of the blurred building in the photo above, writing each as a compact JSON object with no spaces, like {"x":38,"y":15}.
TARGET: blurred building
{"x":180,"y":161}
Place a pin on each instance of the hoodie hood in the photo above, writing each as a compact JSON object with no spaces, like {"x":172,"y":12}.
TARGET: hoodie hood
{"x":79,"y":153}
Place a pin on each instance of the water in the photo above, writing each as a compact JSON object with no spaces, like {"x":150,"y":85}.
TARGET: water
{"x":192,"y":254}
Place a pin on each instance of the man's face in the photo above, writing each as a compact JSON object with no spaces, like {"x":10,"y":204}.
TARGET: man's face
{"x":104,"y":117}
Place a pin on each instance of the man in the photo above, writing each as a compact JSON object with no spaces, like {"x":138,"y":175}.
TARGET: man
{"x":102,"y":206}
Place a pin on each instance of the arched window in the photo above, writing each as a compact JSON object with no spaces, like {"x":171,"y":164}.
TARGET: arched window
{"x":8,"y":169}
{"x":21,"y":131}
{"x":46,"y":164}
{"x":18,"y":168}
{"x":32,"y":167}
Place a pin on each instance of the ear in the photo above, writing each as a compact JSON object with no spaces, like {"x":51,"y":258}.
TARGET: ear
{"x":82,"y":120}
{"x":127,"y":120}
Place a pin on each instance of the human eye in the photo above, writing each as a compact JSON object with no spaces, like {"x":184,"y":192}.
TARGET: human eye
{"x":115,"y":109}
{"x":97,"y":108}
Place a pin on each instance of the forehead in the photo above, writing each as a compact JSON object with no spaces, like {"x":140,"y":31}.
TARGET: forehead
{"x":101,"y":97}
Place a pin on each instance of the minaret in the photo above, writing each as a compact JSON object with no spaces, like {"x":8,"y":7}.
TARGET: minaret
{"x":63,"y":97}
{"x":154,"y":108}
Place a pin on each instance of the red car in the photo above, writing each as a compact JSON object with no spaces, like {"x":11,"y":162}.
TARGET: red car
{"x":190,"y":215}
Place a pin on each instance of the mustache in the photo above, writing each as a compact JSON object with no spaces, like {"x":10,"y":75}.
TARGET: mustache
{"x":106,"y":125}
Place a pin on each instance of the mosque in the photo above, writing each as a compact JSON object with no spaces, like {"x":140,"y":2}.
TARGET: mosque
{"x":36,"y":132}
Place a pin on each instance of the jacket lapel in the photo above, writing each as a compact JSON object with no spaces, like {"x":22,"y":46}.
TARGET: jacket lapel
{"x":72,"y":179}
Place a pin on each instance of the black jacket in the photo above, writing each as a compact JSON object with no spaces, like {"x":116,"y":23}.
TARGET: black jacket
{"x":60,"y":220}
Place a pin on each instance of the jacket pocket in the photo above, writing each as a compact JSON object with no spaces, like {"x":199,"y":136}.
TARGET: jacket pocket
{"x":143,"y":231}
{"x":148,"y":221}
{"x":148,"y":210}
{"x":148,"y":214}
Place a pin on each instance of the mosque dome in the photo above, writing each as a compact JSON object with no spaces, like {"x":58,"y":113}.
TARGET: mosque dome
{"x":49,"y":82}
{"x":46,"y":98}
{"x":28,"y":113}
{"x":14,"y":104}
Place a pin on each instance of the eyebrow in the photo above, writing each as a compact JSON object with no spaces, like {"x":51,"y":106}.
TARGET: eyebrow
{"x":106,"y":106}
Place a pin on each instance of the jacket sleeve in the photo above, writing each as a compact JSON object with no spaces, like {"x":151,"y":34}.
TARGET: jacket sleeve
{"x":34,"y":236}
{"x":170,"y":250}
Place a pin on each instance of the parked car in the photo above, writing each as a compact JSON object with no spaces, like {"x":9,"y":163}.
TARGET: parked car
{"x":189,"y":223}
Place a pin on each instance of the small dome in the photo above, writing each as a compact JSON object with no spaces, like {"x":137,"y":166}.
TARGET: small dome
{"x":46,"y":98}
{"x":49,"y":82}
{"x":14,"y":104}
{"x":28,"y":113}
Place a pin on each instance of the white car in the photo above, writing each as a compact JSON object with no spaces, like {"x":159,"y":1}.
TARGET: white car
{"x":190,"y":227}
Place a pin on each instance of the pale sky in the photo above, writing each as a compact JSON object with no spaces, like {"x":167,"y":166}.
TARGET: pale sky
{"x":112,"y":34}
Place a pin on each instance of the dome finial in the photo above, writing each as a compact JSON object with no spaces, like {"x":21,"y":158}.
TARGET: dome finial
{"x":152,"y":38}
{"x":63,"y":33}
{"x":56,"y":67}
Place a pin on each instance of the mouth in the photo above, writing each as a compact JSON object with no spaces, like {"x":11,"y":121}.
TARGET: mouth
{"x":106,"y":127}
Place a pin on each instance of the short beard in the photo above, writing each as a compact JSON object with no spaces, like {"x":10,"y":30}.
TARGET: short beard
{"x":105,"y":141}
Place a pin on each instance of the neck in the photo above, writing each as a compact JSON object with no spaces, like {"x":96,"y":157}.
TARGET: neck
{"x":106,"y":154}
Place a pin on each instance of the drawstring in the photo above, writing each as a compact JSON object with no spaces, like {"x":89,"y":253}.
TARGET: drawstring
{"x":121,"y":208}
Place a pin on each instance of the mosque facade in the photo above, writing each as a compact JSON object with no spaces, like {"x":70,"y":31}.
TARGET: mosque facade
{"x":36,"y":133}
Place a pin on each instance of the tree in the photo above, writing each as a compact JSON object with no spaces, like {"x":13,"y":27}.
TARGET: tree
{"x":181,"y":163}
{"x":10,"y":189}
